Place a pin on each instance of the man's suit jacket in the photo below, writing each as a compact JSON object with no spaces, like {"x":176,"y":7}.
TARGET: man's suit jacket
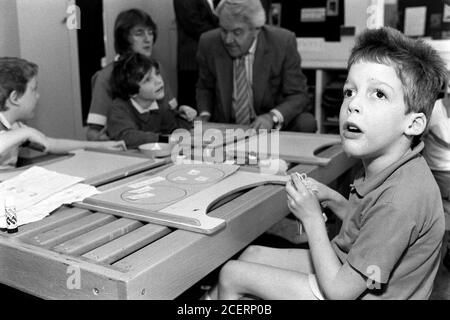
{"x":278,"y":81}
{"x":193,"y":18}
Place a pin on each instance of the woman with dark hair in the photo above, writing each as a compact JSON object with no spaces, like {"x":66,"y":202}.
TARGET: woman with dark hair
{"x":134,"y":31}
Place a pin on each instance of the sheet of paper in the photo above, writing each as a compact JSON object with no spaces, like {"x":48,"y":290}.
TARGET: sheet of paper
{"x":415,"y":18}
{"x":34,"y":185}
{"x":312,"y":14}
{"x":446,"y":15}
{"x":43,"y":208}
{"x":310,"y":44}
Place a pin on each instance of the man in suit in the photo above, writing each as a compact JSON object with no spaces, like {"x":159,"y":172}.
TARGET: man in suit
{"x":274,"y":92}
{"x":193,"y":17}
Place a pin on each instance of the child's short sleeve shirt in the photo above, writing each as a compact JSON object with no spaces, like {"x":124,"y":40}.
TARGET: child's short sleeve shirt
{"x":393,"y":231}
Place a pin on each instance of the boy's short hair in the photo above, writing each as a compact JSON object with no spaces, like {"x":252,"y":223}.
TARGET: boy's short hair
{"x":419,"y":67}
{"x":128,"y":72}
{"x":15,"y":73}
{"x":127,"y":20}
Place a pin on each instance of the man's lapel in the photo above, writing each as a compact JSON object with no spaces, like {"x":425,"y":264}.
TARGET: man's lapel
{"x":224,"y":67}
{"x":261,"y":70}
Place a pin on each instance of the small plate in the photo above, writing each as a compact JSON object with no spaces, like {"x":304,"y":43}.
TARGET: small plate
{"x":157,"y":149}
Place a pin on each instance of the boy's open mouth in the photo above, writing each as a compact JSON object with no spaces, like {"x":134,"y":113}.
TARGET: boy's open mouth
{"x":351,"y":127}
{"x":351,"y":131}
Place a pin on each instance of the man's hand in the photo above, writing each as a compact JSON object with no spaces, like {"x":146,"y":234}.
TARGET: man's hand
{"x":203,"y":118}
{"x":187,"y":113}
{"x":263,"y":121}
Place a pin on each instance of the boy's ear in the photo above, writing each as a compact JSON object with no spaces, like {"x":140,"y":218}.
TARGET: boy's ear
{"x":14,"y":97}
{"x":417,"y":124}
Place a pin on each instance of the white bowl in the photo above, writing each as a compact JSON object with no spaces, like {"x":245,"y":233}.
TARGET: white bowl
{"x":156,"y":149}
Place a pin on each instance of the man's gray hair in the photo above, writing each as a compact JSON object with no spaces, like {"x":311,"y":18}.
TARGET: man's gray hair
{"x":250,"y":11}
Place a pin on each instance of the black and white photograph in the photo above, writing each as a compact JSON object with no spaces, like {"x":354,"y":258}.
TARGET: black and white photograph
{"x":185,"y":151}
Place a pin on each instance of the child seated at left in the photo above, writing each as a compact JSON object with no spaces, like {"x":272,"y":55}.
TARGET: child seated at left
{"x":18,"y":99}
{"x":140,"y":113}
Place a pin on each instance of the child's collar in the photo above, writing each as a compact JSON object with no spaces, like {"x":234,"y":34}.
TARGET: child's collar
{"x":140,"y":109}
{"x":5,"y":121}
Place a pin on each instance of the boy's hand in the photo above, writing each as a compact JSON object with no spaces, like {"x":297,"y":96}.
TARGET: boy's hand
{"x":113,"y":145}
{"x":322,"y":192}
{"x":302,"y":201}
{"x":187,"y":113}
{"x":36,"y":138}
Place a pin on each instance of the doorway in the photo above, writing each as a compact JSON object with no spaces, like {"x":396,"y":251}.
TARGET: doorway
{"x":91,"y":48}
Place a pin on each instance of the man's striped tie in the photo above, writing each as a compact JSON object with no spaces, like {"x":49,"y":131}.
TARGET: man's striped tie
{"x":241,"y":104}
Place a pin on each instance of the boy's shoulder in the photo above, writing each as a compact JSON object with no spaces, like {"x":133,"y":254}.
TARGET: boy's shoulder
{"x":413,"y":173}
{"x":407,"y":186}
{"x":412,"y":191}
{"x":121,"y":104}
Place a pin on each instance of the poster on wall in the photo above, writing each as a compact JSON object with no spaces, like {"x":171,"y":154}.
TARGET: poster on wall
{"x":446,"y":15}
{"x":415,"y":18}
{"x":275,"y":14}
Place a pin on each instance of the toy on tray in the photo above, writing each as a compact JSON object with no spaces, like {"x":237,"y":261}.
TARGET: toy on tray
{"x":311,"y":188}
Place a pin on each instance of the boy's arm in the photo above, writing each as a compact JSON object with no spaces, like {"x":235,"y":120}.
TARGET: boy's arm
{"x":336,"y":280}
{"x":14,"y":137}
{"x":65,"y":145}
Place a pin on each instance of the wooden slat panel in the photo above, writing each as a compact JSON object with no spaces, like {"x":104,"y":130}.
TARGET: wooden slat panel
{"x":123,"y":246}
{"x":73,"y":229}
{"x":166,"y":268}
{"x":97,"y":237}
{"x":51,"y":275}
{"x":62,"y":216}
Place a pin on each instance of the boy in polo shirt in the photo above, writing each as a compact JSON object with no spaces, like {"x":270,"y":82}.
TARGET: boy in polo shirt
{"x":393,"y":223}
{"x":18,"y":100}
{"x":139,"y":113}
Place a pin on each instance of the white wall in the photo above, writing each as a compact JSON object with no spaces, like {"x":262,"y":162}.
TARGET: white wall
{"x":356,"y":14}
{"x":9,"y":32}
{"x":165,"y":51}
{"x":46,"y":41}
